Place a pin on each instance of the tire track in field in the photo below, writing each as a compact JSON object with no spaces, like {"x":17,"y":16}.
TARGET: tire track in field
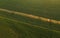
{"x":31,"y":16}
{"x":35,"y":26}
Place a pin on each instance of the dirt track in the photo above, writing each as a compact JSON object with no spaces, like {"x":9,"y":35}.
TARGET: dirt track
{"x":31,"y":16}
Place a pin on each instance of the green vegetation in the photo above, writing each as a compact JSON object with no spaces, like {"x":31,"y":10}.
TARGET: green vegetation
{"x":15,"y":26}
{"x":45,"y":8}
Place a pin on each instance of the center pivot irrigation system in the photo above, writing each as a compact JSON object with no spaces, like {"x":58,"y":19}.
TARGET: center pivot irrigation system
{"x":31,"y":16}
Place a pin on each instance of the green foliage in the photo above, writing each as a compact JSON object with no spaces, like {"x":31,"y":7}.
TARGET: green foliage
{"x":20,"y":29}
{"x":24,"y":27}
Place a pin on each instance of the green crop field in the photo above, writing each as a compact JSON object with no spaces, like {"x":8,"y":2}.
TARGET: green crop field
{"x":17,"y":26}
